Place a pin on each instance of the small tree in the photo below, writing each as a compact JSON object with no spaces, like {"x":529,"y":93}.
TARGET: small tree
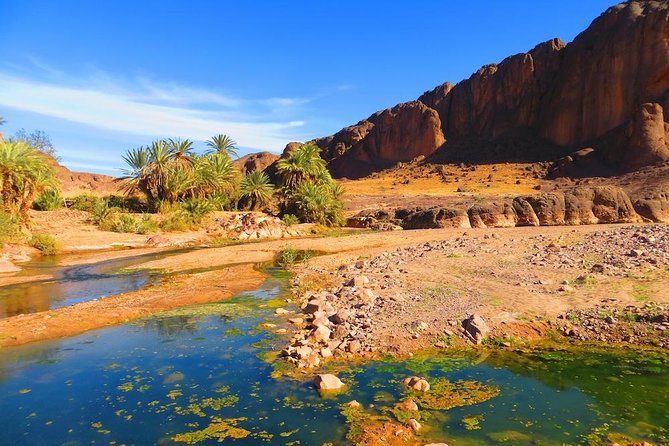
{"x":308,"y":190}
{"x":255,"y":190}
{"x":25,"y":172}
{"x":38,"y":140}
{"x":223,"y":144}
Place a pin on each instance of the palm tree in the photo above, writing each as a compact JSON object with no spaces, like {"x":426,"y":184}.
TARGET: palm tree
{"x":256,"y":190}
{"x":223,"y":144}
{"x":182,"y":150}
{"x":303,"y":164}
{"x":135,"y":179}
{"x":25,"y":172}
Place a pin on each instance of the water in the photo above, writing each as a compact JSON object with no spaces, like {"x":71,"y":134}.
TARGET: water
{"x":74,"y":284}
{"x":198,"y":368}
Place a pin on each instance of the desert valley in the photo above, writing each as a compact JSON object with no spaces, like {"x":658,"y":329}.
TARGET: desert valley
{"x":487,"y":264}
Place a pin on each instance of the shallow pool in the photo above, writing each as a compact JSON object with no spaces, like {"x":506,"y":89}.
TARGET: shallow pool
{"x":205,"y":374}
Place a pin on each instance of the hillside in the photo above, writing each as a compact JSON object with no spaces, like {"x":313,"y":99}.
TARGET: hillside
{"x":607,"y":90}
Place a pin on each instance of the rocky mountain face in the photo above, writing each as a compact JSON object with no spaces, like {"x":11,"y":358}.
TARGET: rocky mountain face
{"x":255,"y":161}
{"x":607,"y":90}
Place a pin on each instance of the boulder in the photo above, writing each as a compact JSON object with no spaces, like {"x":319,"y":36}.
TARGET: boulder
{"x":414,"y":424}
{"x":492,"y":215}
{"x":653,"y":206}
{"x":476,"y":327}
{"x":434,"y":217}
{"x":255,"y":161}
{"x":341,"y":316}
{"x":328,"y":382}
{"x":601,"y":204}
{"x":401,"y":133}
{"x":416,"y":383}
{"x":313,"y":306}
{"x":524,"y":212}
{"x":320,"y":334}
{"x":549,"y":208}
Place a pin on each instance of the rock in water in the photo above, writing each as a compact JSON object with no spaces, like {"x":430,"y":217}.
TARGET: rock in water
{"x":328,"y":382}
{"x":416,"y":383}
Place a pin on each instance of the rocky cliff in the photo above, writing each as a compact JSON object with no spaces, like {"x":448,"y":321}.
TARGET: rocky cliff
{"x":607,"y":90}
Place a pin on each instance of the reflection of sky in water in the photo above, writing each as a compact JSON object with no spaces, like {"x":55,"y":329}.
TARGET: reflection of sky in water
{"x":73,"y":284}
{"x":135,"y":381}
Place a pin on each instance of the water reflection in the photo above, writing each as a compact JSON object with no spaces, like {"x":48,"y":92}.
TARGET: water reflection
{"x":74,"y":284}
{"x":144,"y":383}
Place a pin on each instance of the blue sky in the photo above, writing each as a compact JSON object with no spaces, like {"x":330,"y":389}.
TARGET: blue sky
{"x":102,"y":77}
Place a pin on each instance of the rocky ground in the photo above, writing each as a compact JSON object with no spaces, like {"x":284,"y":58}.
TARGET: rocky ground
{"x":598,"y":286}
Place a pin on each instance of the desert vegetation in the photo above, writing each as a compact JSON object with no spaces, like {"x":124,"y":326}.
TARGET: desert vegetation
{"x":25,"y":173}
{"x":186,"y":186}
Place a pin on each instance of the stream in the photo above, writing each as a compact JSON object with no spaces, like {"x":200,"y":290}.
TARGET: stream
{"x":69,"y":285}
{"x":209,"y":373}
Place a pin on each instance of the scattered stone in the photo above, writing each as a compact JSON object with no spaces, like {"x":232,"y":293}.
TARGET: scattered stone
{"x":414,"y":424}
{"x":416,"y":383}
{"x":328,"y":382}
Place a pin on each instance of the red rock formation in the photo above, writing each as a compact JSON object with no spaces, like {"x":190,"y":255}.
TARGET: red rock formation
{"x":618,"y":63}
{"x":398,"y":134}
{"x":255,"y":161}
{"x":607,"y":90}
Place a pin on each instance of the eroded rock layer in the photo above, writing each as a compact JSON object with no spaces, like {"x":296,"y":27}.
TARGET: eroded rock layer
{"x":607,"y":91}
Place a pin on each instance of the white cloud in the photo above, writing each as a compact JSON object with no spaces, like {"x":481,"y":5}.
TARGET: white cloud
{"x":157,"y":109}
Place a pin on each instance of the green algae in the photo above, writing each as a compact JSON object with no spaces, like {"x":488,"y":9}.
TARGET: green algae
{"x":445,"y":395}
{"x":472,"y":422}
{"x":219,"y":429}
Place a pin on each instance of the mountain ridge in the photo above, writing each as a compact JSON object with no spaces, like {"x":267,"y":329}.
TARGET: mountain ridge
{"x":606,"y":90}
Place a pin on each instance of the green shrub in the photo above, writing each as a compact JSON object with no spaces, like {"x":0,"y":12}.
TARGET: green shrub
{"x":115,"y":201}
{"x":46,"y":243}
{"x":287,"y":257}
{"x":50,"y":200}
{"x":177,"y":222}
{"x":102,"y":212}
{"x":114,"y":220}
{"x":85,"y":202}
{"x":291,"y":256}
{"x":124,"y":223}
{"x":196,"y":209}
{"x":290,"y":219}
{"x":146,"y":225}
{"x":222,"y":202}
{"x":10,"y":230}
{"x":307,"y":188}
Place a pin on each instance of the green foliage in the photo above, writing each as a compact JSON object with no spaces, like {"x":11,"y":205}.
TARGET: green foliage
{"x":290,"y":256}
{"x":114,"y":219}
{"x":10,"y":230}
{"x":224,"y":145}
{"x":47,"y":244}
{"x":308,"y":190}
{"x":176,"y":222}
{"x":312,"y":202}
{"x":255,"y":190}
{"x":49,"y":200}
{"x":196,"y":209}
{"x":167,"y":171}
{"x":290,"y":219}
{"x":85,"y":202}
{"x":25,"y":173}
